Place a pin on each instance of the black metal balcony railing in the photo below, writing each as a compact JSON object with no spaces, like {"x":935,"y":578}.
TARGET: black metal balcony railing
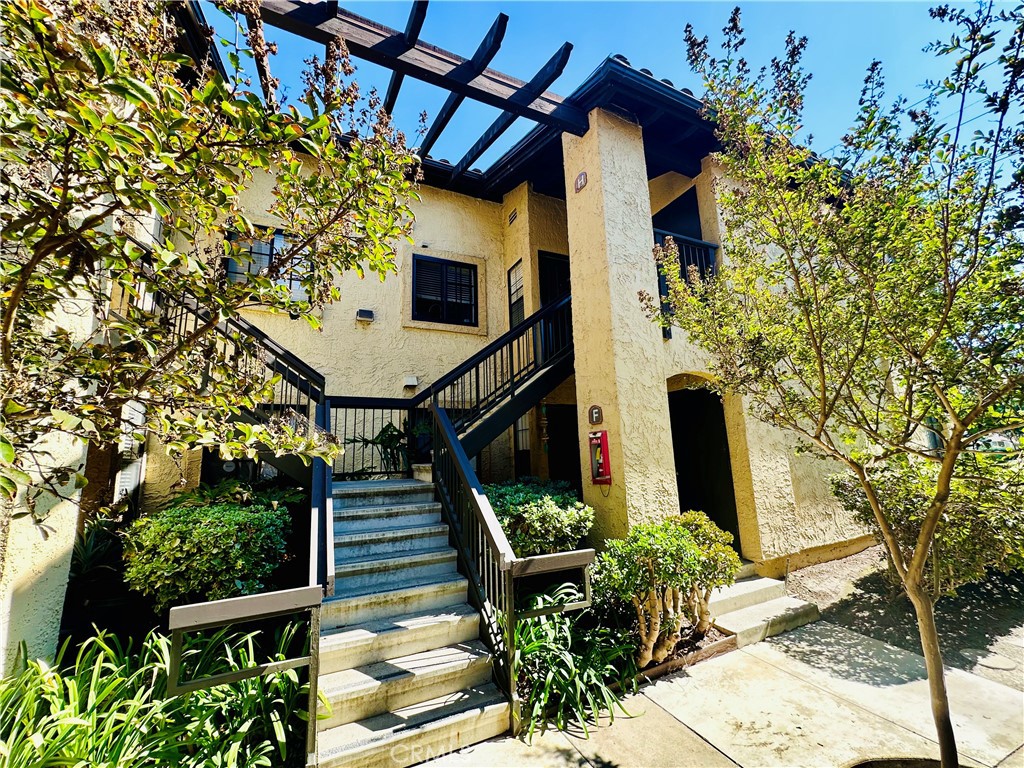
{"x":692,"y":253}
{"x":383,"y":437}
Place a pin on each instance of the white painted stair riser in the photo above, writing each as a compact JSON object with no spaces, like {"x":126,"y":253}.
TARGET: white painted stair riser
{"x":341,"y":612}
{"x":417,"y":733}
{"x":744,"y":594}
{"x":353,"y":495}
{"x":382,"y":544}
{"x":757,"y":622}
{"x":364,"y":577}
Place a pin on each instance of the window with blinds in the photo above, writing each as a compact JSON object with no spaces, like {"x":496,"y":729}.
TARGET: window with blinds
{"x":443,"y":291}
{"x":516,"y":306}
{"x":261,"y":252}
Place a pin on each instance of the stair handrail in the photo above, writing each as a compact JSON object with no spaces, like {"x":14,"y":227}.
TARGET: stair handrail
{"x":492,"y":572}
{"x":499,"y":343}
{"x":482,"y":508}
{"x":280,"y":361}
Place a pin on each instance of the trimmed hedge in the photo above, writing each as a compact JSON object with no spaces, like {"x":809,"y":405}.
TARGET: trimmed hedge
{"x":540,"y":518}
{"x":196,"y":553}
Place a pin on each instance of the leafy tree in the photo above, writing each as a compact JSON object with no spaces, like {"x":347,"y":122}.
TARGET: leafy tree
{"x":873,"y":303}
{"x":109,"y":134}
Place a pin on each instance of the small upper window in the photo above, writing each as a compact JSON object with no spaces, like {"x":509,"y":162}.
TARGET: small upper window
{"x":443,"y":291}
{"x":261,"y":253}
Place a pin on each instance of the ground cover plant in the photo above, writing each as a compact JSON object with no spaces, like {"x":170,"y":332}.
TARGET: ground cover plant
{"x":872,"y":302}
{"x":104,"y":704}
{"x":540,"y":518}
{"x":566,"y":665}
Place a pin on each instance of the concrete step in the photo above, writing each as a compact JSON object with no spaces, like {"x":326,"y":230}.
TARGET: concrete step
{"x":366,"y":576}
{"x":746,"y":571}
{"x":360,"y":609}
{"x":419,"y":732}
{"x":755,"y":623}
{"x":384,"y":516}
{"x":362,"y":644}
{"x":363,"y":692}
{"x":369,"y":545}
{"x":744,"y":594}
{"x":368,"y":493}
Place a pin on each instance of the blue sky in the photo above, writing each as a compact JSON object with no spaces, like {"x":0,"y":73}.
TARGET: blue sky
{"x":844,"y":38}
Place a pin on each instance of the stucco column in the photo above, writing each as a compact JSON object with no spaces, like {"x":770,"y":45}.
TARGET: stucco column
{"x":619,"y":364}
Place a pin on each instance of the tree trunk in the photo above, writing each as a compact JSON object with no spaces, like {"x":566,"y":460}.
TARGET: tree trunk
{"x":101,"y":464}
{"x":925,"y":611}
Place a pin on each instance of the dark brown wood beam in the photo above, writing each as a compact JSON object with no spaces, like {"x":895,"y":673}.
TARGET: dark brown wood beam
{"x":547,"y":75}
{"x":386,"y":47}
{"x":412,"y":35}
{"x":484,"y":53}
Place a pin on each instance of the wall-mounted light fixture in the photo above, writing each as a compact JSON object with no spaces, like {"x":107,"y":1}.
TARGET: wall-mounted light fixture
{"x":364,"y":315}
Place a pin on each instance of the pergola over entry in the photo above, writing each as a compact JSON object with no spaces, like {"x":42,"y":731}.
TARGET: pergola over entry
{"x":407,"y":56}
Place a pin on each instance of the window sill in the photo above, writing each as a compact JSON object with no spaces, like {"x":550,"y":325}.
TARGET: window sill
{"x":426,"y":325}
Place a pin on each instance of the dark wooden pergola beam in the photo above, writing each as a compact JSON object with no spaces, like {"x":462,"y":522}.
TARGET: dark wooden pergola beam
{"x":484,"y":53}
{"x":547,"y":75}
{"x":417,"y":15}
{"x":384,"y":46}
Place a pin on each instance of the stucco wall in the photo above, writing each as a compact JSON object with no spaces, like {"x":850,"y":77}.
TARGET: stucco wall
{"x":373,"y":359}
{"x":784,"y":502}
{"x":619,"y":361}
{"x":36,"y":560}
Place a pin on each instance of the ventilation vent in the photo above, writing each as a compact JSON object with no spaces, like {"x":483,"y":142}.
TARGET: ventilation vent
{"x":513,"y":216}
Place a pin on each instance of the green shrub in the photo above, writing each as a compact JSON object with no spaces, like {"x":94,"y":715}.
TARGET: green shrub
{"x":564,"y":671}
{"x":716,"y":567}
{"x":109,"y":707}
{"x":186,"y":553}
{"x":654,"y":568}
{"x":540,"y":518}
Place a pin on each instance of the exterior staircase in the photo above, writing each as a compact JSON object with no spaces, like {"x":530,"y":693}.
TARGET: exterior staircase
{"x":754,"y":608}
{"x":401,"y":661}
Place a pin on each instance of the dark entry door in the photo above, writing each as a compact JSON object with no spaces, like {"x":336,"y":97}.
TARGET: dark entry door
{"x":553,"y":273}
{"x":564,"y":445}
{"x":701,"y":447}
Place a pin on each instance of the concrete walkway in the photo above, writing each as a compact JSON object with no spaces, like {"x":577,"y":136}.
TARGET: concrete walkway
{"x":819,"y":696}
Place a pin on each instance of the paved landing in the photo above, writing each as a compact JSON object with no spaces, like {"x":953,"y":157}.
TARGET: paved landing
{"x":819,"y":696}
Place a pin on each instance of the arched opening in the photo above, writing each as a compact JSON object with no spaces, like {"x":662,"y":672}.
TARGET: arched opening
{"x":701,"y":446}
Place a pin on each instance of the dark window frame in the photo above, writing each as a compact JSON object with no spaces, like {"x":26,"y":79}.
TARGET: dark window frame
{"x":444,"y":301}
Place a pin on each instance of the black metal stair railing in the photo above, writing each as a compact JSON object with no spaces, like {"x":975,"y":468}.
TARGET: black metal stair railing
{"x":297,"y":390}
{"x":487,"y":559}
{"x":383,"y":437}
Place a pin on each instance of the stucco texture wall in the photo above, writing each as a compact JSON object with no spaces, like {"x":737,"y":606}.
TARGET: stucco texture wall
{"x":375,"y":358}
{"x":784,"y":502}
{"x":35,"y":560}
{"x":619,"y":361}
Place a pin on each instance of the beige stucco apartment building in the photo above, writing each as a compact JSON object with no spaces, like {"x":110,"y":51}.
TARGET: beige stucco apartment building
{"x":579,"y":215}
{"x":561,"y":213}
